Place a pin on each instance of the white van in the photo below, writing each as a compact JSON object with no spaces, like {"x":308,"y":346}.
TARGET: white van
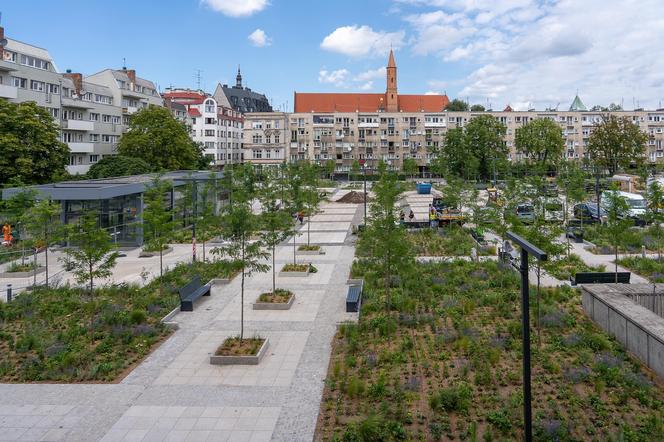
{"x":636,"y":202}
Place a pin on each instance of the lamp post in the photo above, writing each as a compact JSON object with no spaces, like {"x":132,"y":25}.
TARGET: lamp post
{"x":364,"y":174}
{"x":526,"y":249}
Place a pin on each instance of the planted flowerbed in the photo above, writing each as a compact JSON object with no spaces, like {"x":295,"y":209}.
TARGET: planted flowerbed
{"x":631,"y":239}
{"x":280,"y":299}
{"x":311,"y":249}
{"x":440,"y":359}
{"x":297,"y":270}
{"x":568,"y":266}
{"x":236,"y":351}
{"x":150,"y":252}
{"x":21,"y":270}
{"x":651,"y":268}
{"x":449,"y":241}
{"x":64,"y":335}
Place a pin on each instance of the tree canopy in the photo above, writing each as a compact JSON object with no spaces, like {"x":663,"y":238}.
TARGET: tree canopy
{"x":163,"y":142}
{"x":31,"y":151}
{"x":477,"y":108}
{"x":616,"y":143}
{"x":483,"y":140}
{"x":457,"y":105}
{"x":118,"y":165}
{"x":542,"y":141}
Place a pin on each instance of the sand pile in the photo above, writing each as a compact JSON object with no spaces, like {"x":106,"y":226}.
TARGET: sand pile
{"x":352,"y":197}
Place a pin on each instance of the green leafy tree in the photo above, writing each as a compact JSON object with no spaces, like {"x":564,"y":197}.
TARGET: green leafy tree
{"x":541,"y":140}
{"x":410,"y":167}
{"x":355,"y":169}
{"x":389,"y":249}
{"x":572,"y":180}
{"x":295,"y":197}
{"x":158,"y":221}
{"x":43,"y":226}
{"x":276,"y":222}
{"x":91,"y":254}
{"x":453,"y":159}
{"x":162,"y":141}
{"x":616,"y":221}
{"x":616,"y":143}
{"x":484,"y":142}
{"x":207,"y":222}
{"x":30,"y":148}
{"x":311,"y":196}
{"x":477,"y":108}
{"x":329,"y":168}
{"x":118,"y":165}
{"x":655,"y":214}
{"x":457,"y":105}
{"x":239,"y":223}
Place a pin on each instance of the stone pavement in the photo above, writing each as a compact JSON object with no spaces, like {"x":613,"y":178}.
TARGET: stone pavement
{"x":175,"y":394}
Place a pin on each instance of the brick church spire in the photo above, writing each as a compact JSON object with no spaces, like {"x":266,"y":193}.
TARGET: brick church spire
{"x":391,"y":94}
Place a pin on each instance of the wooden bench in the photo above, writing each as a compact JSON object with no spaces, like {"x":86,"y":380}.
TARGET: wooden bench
{"x":191,"y":292}
{"x":600,"y":278}
{"x":354,"y":298}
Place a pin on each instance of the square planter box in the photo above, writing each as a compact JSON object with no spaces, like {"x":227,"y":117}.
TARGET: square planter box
{"x":40,"y":270}
{"x":283,"y":274}
{"x":144,"y":254}
{"x":274,"y":305}
{"x":241,"y":360}
{"x":311,"y":252}
{"x":220,"y":281}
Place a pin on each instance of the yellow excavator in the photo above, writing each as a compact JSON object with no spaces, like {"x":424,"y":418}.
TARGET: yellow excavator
{"x":494,"y":197}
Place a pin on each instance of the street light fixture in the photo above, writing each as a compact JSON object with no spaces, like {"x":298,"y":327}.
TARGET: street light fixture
{"x":526,"y":249}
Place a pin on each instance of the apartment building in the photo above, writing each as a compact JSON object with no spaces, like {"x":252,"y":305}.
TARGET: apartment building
{"x":241,"y":99}
{"x":217,"y":128}
{"x":266,"y":138}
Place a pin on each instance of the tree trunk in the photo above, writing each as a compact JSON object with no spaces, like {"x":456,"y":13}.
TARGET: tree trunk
{"x":616,"y":263}
{"x":161,"y":261}
{"x":242,"y":295}
{"x":274,"y":278}
{"x":294,"y":248}
{"x":203,"y":251}
{"x":92,"y":315}
{"x":309,"y":229}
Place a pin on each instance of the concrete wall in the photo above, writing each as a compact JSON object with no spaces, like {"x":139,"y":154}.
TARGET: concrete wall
{"x":637,"y":328}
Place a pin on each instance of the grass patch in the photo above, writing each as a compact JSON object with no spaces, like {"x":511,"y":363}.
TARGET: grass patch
{"x":239,"y":347}
{"x":567,"y":266}
{"x":45,"y":335}
{"x":651,"y":268}
{"x":631,"y":240}
{"x":309,"y":248}
{"x":27,"y":266}
{"x":280,"y":296}
{"x":299,"y":268}
{"x":454,"y":241}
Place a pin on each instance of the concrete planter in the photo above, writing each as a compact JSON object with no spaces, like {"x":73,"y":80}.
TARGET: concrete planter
{"x":144,"y":254}
{"x":22,"y":274}
{"x":283,"y":274}
{"x":220,"y":281}
{"x":274,"y":305}
{"x":241,"y":360}
{"x":310,"y":252}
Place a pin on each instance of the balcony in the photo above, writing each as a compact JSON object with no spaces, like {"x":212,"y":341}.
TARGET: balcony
{"x":129,"y":110}
{"x":361,"y":125}
{"x":78,"y":169}
{"x":10,"y":92}
{"x":434,"y":124}
{"x":81,"y":147}
{"x":78,"y":125}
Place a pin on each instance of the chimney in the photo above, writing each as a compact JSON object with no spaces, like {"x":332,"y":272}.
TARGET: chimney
{"x":131,"y":73}
{"x":2,"y":37}
{"x":77,"y":79}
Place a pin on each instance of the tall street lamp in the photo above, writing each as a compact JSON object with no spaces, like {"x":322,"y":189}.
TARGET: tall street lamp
{"x":526,"y":249}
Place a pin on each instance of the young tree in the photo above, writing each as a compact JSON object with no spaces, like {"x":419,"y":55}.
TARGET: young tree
{"x":295,"y":197}
{"x":329,"y":168}
{"x":542,"y":141}
{"x":616,"y":143}
{"x":42,"y":223}
{"x":32,"y":152}
{"x":409,"y":167}
{"x":158,"y":221}
{"x":311,"y":197}
{"x":572,"y":179}
{"x":159,"y":139}
{"x":91,"y":254}
{"x":453,"y":158}
{"x":389,"y":249}
{"x":238,"y":224}
{"x":616,"y":221}
{"x":207,"y":222}
{"x":276,"y":222}
{"x":355,"y":169}
{"x":655,"y":214}
{"x":484,"y":141}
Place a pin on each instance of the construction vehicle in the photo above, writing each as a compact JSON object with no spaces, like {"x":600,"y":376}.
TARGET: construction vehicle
{"x":494,"y":197}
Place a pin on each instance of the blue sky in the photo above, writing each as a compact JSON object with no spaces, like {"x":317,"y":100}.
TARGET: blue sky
{"x":528,"y":53}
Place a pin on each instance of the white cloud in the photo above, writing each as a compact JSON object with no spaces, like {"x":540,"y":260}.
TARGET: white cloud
{"x":433,"y":93}
{"x":358,"y":41}
{"x":366,"y":86}
{"x":337,"y":78}
{"x":259,"y":38}
{"x":237,"y":8}
{"x":537,"y":53}
{"x":371,"y":74}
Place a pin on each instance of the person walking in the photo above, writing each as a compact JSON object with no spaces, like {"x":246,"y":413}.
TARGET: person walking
{"x":411,"y":215}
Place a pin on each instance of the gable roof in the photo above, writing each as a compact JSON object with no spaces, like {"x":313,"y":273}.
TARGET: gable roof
{"x":577,"y":105}
{"x":349,"y":102}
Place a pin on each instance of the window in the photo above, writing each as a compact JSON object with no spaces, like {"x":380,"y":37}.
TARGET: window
{"x":52,"y":88}
{"x":209,"y":121}
{"x":109,"y":138}
{"x":10,"y":56}
{"x":19,"y":82}
{"x":38,"y":86}
{"x":104,"y":99}
{"x":34,"y":62}
{"x":209,"y":106}
{"x":106,"y":118}
{"x":209,"y":132}
{"x":267,"y":154}
{"x":94,"y":158}
{"x":87,"y":96}
{"x":94,"y":138}
{"x":94,"y":116}
{"x":257,"y":138}
{"x":258,"y":154}
{"x":268,"y":139}
{"x":276,"y":139}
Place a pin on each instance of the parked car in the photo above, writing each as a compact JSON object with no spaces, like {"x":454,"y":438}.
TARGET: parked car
{"x":588,"y":212}
{"x":525,"y":212}
{"x":636,"y":202}
{"x":554,"y":210}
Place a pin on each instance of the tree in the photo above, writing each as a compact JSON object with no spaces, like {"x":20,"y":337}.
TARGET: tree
{"x":238,"y":223}
{"x":457,"y":105}
{"x":42,"y":223}
{"x":572,"y":180}
{"x":295,"y":197}
{"x":118,"y":165}
{"x":484,"y":141}
{"x":276,"y":222}
{"x":613,"y":107}
{"x":616,"y":143}
{"x":655,"y":214}
{"x":452,"y":159}
{"x":355,"y":169}
{"x":329,"y":168}
{"x":159,"y":139}
{"x":158,"y":221}
{"x":542,"y":141}
{"x":311,"y":197}
{"x":410,"y":167}
{"x":477,"y":108}
{"x":207,"y":222}
{"x":30,"y":146}
{"x":91,"y":254}
{"x":616,"y":221}
{"x":389,"y":248}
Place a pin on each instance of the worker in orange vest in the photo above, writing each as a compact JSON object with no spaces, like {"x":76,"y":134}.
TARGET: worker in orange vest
{"x":7,"y":234}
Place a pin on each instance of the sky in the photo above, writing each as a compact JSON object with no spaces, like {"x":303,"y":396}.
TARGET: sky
{"x":526,"y":53}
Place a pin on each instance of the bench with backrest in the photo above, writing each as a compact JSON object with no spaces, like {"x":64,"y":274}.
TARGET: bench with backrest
{"x":599,"y":278}
{"x":354,"y":298}
{"x":191,"y":292}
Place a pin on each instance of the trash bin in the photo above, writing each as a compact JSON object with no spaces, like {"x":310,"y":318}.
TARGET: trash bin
{"x":423,"y":188}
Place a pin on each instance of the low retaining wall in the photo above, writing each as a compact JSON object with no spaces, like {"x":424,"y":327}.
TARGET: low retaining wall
{"x":635,"y":327}
{"x":40,"y":270}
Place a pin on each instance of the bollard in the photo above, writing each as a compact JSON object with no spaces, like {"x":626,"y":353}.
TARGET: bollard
{"x":9,"y":293}
{"x":643,"y":251}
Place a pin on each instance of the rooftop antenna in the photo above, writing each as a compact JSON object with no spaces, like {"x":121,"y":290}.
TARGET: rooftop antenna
{"x":124,"y":64}
{"x":198,"y":79}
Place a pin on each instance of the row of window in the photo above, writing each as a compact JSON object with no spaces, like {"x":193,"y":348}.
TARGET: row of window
{"x":77,"y":137}
{"x":258,"y":139}
{"x":258,"y":154}
{"x":26,"y":60}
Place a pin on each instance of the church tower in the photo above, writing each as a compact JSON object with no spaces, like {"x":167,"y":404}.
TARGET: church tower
{"x":391,"y":95}
{"x":238,"y":78}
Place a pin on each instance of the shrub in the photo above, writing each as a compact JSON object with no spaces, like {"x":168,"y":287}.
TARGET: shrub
{"x":137,"y":316}
{"x":501,"y":420}
{"x":449,"y":399}
{"x":374,"y":429}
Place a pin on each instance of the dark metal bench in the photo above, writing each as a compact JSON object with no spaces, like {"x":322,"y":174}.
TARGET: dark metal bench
{"x":354,"y":298}
{"x":600,"y":278}
{"x":191,"y":292}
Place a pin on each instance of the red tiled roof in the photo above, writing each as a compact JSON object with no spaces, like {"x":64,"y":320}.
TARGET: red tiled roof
{"x":508,"y":108}
{"x":334,"y":102}
{"x":185,"y":97}
{"x":194,"y":112}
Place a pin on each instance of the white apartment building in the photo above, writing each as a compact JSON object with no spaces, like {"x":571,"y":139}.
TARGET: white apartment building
{"x":266,"y":138}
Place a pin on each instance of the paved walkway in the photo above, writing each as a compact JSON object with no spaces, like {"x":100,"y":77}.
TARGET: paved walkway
{"x":175,"y":394}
